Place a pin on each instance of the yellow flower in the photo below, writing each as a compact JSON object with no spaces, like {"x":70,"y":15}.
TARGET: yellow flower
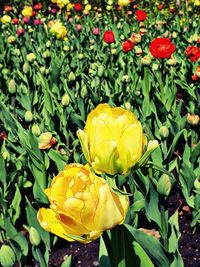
{"x":6,"y":19}
{"x":123,"y":3}
{"x":88,"y":7}
{"x":112,"y":140}
{"x":27,"y":11}
{"x":197,"y":2}
{"x":82,"y":205}
{"x":58,"y":30}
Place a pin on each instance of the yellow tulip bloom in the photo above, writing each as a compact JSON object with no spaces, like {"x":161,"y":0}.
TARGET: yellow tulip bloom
{"x":6,"y":19}
{"x":82,"y":205}
{"x":112,"y":140}
{"x":123,"y":3}
{"x":27,"y":11}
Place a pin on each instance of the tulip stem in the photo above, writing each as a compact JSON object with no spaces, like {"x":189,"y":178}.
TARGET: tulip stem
{"x":163,"y":226}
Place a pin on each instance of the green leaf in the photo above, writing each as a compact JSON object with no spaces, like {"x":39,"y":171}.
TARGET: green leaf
{"x":2,"y":171}
{"x":151,"y":246}
{"x":16,"y":236}
{"x":67,"y":262}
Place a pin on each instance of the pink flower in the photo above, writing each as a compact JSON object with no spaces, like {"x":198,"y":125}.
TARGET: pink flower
{"x":37,"y":22}
{"x":25,"y":20}
{"x":78,"y":27}
{"x":96,"y":31}
{"x":53,"y":10}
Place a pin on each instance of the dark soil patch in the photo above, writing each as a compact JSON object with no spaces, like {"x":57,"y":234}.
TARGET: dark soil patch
{"x":189,"y":244}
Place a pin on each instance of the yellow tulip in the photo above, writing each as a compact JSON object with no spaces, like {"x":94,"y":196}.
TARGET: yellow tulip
{"x":123,"y":3}
{"x":82,"y":205}
{"x":27,"y":11}
{"x":6,"y":19}
{"x":113,"y":139}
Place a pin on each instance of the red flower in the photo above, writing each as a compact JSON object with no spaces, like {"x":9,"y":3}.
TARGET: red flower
{"x":7,"y":8}
{"x":127,"y":46}
{"x":15,"y":21}
{"x":37,"y":6}
{"x":20,"y":31}
{"x":193,"y":53}
{"x":141,"y":15}
{"x":160,"y":6}
{"x":78,"y":7}
{"x":162,"y":48}
{"x":109,"y":37}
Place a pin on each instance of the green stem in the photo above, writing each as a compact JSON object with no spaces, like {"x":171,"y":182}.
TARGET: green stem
{"x":107,"y":242}
{"x":163,"y":226}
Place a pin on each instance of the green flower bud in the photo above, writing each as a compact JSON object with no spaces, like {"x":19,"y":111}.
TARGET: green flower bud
{"x":28,"y":116}
{"x":34,"y":236}
{"x":127,"y":106}
{"x":113,"y":51}
{"x":197,"y":183}
{"x":146,"y":61}
{"x":65,"y":100}
{"x":25,"y":68}
{"x":31,"y":57}
{"x":35,"y":129}
{"x":125,"y":78}
{"x":6,"y":155}
{"x":42,"y":69}
{"x":84,"y":91}
{"x":66,"y":48}
{"x":164,"y":185}
{"x":163,"y":131}
{"x":72,"y":76}
{"x":100,"y":71}
{"x":48,"y":43}
{"x":7,"y":256}
{"x":12,"y":87}
{"x":80,"y":56}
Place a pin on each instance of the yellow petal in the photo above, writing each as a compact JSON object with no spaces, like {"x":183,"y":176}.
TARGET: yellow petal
{"x":60,"y":225}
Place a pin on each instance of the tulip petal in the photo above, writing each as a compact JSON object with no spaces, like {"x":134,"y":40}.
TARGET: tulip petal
{"x":108,"y":213}
{"x":130,"y":147}
{"x":60,"y":225}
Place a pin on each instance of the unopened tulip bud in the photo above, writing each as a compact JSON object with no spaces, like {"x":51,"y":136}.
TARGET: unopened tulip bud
{"x":197,"y":183}
{"x":100,"y":71}
{"x":84,"y":91}
{"x":164,"y":132}
{"x":28,"y":116}
{"x":146,"y":61}
{"x":6,"y":155}
{"x":171,"y":61}
{"x":30,"y":57}
{"x":66,"y":48}
{"x":126,"y":78}
{"x":25,"y":68}
{"x":164,"y":185}
{"x":153,"y":144}
{"x":48,"y":43}
{"x":108,"y":8}
{"x":42,"y":69}
{"x":35,"y":129}
{"x":80,"y":56}
{"x":155,"y":67}
{"x":127,"y":106}
{"x":113,"y":51}
{"x":11,"y":39}
{"x":72,"y":76}
{"x":7,"y":256}
{"x":65,"y":100}
{"x":12,"y":87}
{"x":193,"y":119}
{"x":46,"y":140}
{"x":34,"y":237}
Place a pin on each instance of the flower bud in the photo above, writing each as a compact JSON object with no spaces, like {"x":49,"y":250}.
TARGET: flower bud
{"x":46,"y":140}
{"x":100,"y":71}
{"x":153,"y":144}
{"x":28,"y":116}
{"x":164,"y":185}
{"x":6,"y":155}
{"x":80,"y":56}
{"x":126,"y":78}
{"x":155,"y":67}
{"x":34,"y":237}
{"x":65,"y":99}
{"x":127,"y":106}
{"x":197,"y":183}
{"x":7,"y":256}
{"x":48,"y":43}
{"x":11,"y":39}
{"x":12,"y":87}
{"x":146,"y":61}
{"x":171,"y":61}
{"x":66,"y":48}
{"x":164,"y":132}
{"x":35,"y":129}
{"x":30,"y":57}
{"x":113,"y":51}
{"x":84,"y":91}
{"x":193,"y":119}
{"x":72,"y":76}
{"x":42,"y":69}
{"x":25,"y":68}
